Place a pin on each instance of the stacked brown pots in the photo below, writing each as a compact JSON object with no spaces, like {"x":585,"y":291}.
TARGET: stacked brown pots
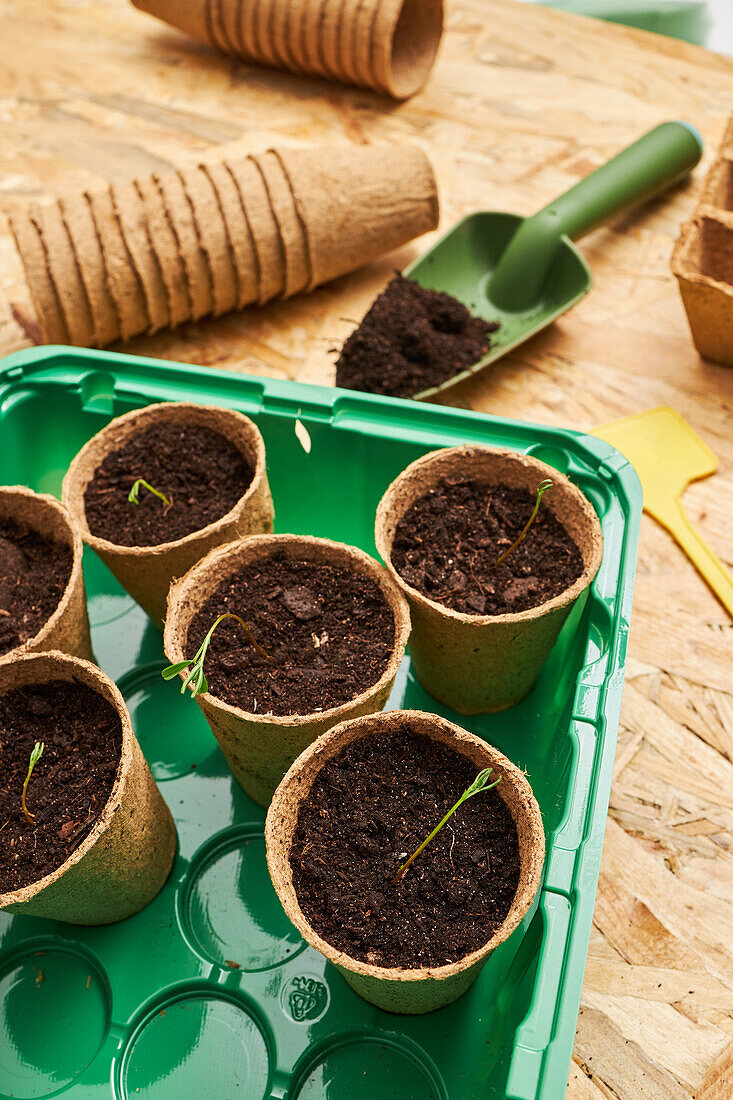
{"x":218,"y":236}
{"x":387,"y":45}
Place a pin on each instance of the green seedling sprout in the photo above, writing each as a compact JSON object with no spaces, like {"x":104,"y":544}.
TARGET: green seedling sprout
{"x":134,"y":494}
{"x":479,"y":784}
{"x":541,"y":490}
{"x":36,"y":754}
{"x":196,"y":677}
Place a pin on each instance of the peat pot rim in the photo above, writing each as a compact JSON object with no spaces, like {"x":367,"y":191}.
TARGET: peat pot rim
{"x":226,"y":560}
{"x":296,"y":785}
{"x":407,"y":46}
{"x":39,"y":502}
{"x":131,"y":423}
{"x":442,"y":459}
{"x":54,"y":665}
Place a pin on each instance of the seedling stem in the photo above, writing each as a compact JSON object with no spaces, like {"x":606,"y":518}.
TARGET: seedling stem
{"x":479,"y":784}
{"x":541,"y":490}
{"x":134,"y":494}
{"x":196,"y":677}
{"x":36,"y":754}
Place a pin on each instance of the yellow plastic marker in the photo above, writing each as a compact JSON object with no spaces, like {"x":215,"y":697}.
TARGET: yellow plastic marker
{"x":667,"y":455}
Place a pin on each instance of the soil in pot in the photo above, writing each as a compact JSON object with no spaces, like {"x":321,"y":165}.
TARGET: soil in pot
{"x":69,"y":786}
{"x":327,"y":632}
{"x":367,"y":811}
{"x":34,"y":573}
{"x":410,"y":340}
{"x":201,"y":474}
{"x":448,"y":542}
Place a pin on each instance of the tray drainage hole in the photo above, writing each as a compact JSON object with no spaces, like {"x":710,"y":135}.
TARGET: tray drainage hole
{"x":55,"y":1009}
{"x":196,"y":1045}
{"x":173,"y":734}
{"x":553,"y":456}
{"x":231,"y":911}
{"x":363,"y":1069}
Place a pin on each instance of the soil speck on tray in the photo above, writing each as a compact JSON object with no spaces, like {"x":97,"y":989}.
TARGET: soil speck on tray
{"x":369,"y":808}
{"x":201,"y":473}
{"x":410,"y":340}
{"x":447,"y":543}
{"x":70,"y":784}
{"x":328,"y":633}
{"x":34,"y":573}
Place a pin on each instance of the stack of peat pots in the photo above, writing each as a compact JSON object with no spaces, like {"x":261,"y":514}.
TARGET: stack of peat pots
{"x":166,"y":249}
{"x":702,"y":261}
{"x":386,"y":45}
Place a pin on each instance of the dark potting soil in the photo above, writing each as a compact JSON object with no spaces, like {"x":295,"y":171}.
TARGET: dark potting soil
{"x":367,"y":811}
{"x":34,"y":573}
{"x":410,"y":340}
{"x":70,"y":784}
{"x":447,"y":543}
{"x":201,"y":473}
{"x":328,"y":633}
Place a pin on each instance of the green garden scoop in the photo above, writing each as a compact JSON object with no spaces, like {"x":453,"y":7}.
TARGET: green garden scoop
{"x":525,"y":272}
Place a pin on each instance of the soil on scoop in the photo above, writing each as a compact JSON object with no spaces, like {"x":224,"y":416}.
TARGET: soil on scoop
{"x":410,"y":340}
{"x":34,"y":573}
{"x":447,"y":543}
{"x":328,"y":633}
{"x":70,"y":784}
{"x":201,"y":473}
{"x":367,"y":811}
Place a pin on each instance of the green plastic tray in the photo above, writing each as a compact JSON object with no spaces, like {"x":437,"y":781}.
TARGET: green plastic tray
{"x":209,"y":993}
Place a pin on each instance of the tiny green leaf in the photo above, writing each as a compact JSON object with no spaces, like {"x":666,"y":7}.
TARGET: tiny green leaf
{"x":36,"y":754}
{"x":541,"y":490}
{"x":172,"y":671}
{"x":134,"y":494}
{"x":480,"y":783}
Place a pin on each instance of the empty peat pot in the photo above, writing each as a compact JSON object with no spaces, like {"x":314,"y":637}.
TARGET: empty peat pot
{"x":477,"y":662}
{"x":331,"y":626}
{"x":420,"y":780}
{"x":42,"y":599}
{"x":207,"y":463}
{"x":117,"y":866}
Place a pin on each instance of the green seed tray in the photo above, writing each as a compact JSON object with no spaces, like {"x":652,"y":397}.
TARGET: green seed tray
{"x":209,"y":993}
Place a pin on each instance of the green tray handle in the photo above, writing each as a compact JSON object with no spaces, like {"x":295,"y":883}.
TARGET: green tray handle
{"x":536,"y":1032}
{"x":655,"y":162}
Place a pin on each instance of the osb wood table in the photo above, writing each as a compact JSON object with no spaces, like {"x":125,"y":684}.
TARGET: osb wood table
{"x":523,"y":102}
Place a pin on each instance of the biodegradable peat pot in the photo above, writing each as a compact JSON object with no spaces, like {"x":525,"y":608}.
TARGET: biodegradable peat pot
{"x":482,"y":663}
{"x":357,"y":202}
{"x":702,"y":264}
{"x":259,"y":748}
{"x":67,"y":628}
{"x":388,"y":45}
{"x":394,"y":989}
{"x":124,"y":861}
{"x":146,"y":572}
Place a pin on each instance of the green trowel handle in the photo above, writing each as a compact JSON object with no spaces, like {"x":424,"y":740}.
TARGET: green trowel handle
{"x":656,"y":161}
{"x":652,"y":164}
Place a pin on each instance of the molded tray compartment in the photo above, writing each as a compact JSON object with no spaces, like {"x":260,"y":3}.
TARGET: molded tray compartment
{"x":209,"y":992}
